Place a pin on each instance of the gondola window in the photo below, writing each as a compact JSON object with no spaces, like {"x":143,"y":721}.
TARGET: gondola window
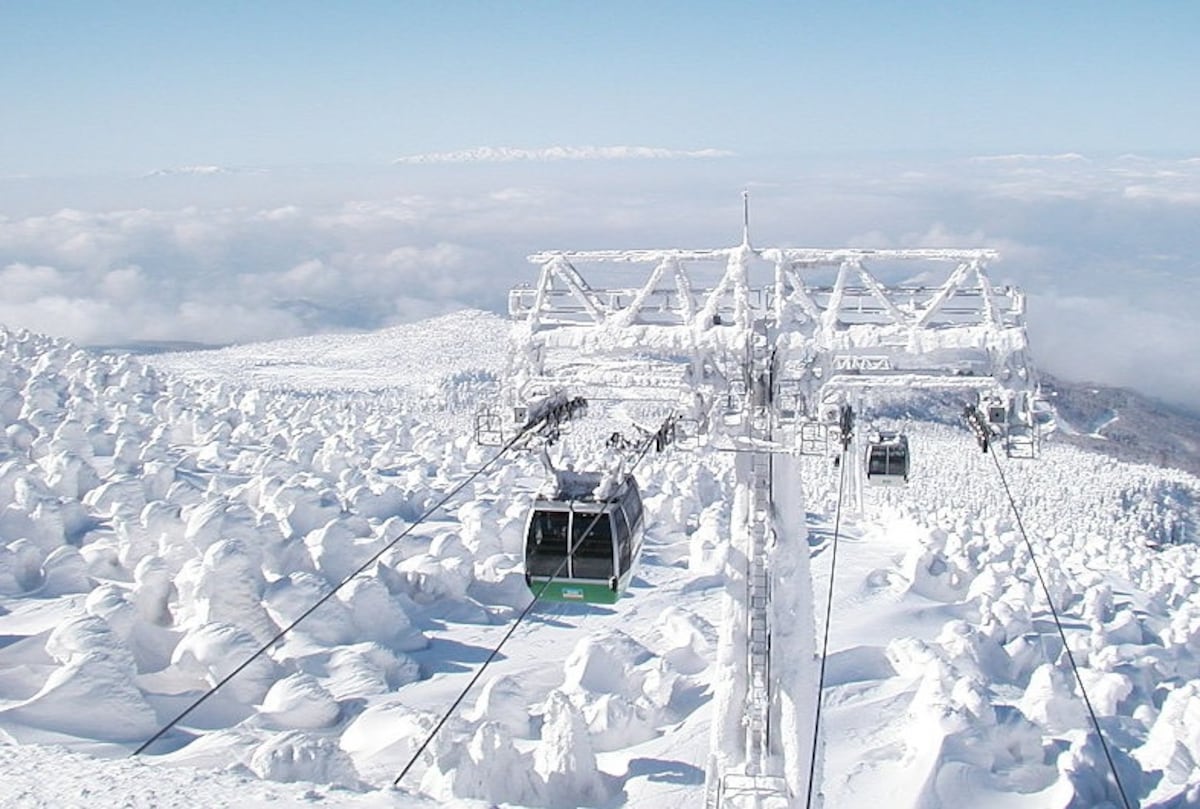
{"x":625,"y":537}
{"x":547,"y":543}
{"x":593,"y":557}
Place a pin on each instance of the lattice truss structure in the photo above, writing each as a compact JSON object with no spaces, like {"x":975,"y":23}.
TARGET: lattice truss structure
{"x":790,"y":331}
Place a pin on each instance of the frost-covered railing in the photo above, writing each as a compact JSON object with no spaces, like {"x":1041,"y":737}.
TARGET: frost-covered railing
{"x":851,"y":313}
{"x":839,"y":321}
{"x":670,"y":296}
{"x":659,"y":307}
{"x":862,"y":305}
{"x":858,"y":305}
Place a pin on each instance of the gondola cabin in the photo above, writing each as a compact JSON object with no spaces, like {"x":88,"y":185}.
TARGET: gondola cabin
{"x":888,"y":459}
{"x":582,"y":544}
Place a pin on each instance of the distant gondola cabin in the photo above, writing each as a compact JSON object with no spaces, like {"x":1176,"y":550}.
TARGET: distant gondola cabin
{"x":583,"y":542}
{"x":888,"y":459}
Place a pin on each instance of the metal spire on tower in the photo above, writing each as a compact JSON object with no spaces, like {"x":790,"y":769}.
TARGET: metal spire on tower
{"x":745,"y":218}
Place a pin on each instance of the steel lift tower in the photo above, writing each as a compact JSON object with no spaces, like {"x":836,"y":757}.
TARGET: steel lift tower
{"x":758,"y":350}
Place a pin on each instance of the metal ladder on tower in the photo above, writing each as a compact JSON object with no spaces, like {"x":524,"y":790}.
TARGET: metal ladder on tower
{"x":759,"y":784}
{"x":758,"y":647}
{"x":1021,"y":440}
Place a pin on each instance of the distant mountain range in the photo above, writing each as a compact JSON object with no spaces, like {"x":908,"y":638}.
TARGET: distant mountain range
{"x":1113,"y":421}
{"x":1124,"y":424}
{"x":507,"y":154}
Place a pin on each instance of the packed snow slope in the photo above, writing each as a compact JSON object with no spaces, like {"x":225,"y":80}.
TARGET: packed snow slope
{"x":159,"y":522}
{"x":1125,"y":424}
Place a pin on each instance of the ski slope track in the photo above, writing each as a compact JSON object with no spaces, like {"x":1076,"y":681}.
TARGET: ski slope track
{"x":160,"y":519}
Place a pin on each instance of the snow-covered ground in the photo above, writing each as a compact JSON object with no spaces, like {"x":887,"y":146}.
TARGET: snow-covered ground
{"x":161,"y":519}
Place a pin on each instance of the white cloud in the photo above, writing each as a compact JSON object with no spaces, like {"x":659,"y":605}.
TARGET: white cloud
{"x":1173,"y":196}
{"x":376,"y":214}
{"x":199,"y":171}
{"x":84,"y":320}
{"x":1074,"y":177}
{"x":22,"y":283}
{"x":1118,"y":233}
{"x":229,"y":275}
{"x":281,"y":214}
{"x":312,"y":276}
{"x":223,"y":321}
{"x":1066,"y":157}
{"x":941,"y":235}
{"x":123,"y":285}
{"x":507,"y":154}
{"x":1116,"y":342}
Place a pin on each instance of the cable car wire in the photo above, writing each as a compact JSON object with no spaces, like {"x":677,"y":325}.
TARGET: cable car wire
{"x":491,"y":656}
{"x":837,"y":525}
{"x":654,"y":439}
{"x":1061,"y":633}
{"x":283,"y":632}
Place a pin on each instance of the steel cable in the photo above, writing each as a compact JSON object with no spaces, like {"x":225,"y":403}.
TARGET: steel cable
{"x":284,"y":632}
{"x":837,"y":525}
{"x":1061,"y":633}
{"x":638,"y":458}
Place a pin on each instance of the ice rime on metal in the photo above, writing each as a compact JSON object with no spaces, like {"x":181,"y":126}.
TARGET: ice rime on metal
{"x":830,"y":339}
{"x":771,"y":371}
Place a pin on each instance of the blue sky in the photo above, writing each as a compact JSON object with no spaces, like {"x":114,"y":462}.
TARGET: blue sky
{"x":94,"y":87}
{"x":1066,"y":135}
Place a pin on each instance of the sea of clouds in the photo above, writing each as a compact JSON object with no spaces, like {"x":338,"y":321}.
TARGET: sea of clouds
{"x":215,"y":255}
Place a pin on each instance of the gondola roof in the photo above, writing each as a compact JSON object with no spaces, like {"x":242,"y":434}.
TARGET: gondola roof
{"x":586,"y":487}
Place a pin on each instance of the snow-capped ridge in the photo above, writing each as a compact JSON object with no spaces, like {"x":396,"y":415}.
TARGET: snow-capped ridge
{"x":201,"y":170}
{"x":457,"y":352}
{"x":508,"y":154}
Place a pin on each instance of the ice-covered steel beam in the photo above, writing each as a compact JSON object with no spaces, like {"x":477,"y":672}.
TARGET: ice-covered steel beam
{"x":800,"y":255}
{"x":944,"y":294}
{"x":880,"y":294}
{"x":628,"y":314}
{"x":820,"y":255}
{"x":634,"y":256}
{"x":910,"y":380}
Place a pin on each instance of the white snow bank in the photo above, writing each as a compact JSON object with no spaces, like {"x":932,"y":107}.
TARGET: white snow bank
{"x":43,"y":777}
{"x":297,"y":756}
{"x":299,"y":701}
{"x":212,"y":651}
{"x":92,"y":693}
